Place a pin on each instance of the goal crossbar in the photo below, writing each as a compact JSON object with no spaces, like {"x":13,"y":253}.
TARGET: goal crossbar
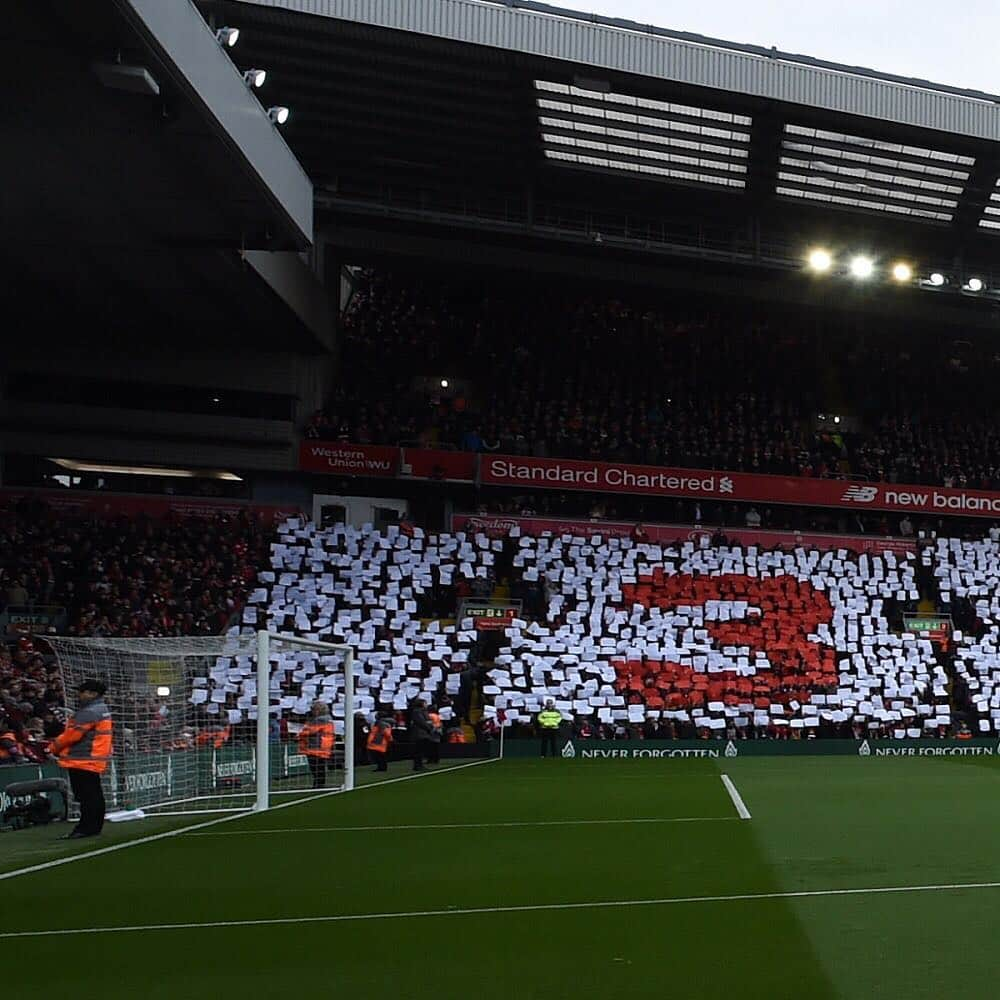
{"x":164,"y":694}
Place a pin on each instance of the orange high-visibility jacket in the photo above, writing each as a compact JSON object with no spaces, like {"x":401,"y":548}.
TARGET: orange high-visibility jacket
{"x":316,"y":737}
{"x":8,"y":739}
{"x":85,"y":743}
{"x":216,"y":737}
{"x":380,"y":738}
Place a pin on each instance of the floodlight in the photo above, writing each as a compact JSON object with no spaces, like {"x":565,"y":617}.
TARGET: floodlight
{"x":937,"y":279}
{"x":862,"y":267}
{"x":820,"y":260}
{"x":163,"y":692}
{"x":975,"y":284}
{"x":444,"y":383}
{"x":836,"y":420}
{"x":227,"y":37}
{"x":821,"y":416}
{"x":902,"y":272}
{"x":278,"y":114}
{"x":255,"y":77}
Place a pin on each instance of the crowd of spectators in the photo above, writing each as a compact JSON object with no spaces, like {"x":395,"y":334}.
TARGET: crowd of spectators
{"x":117,"y":576}
{"x":663,"y":382}
{"x":31,"y":700}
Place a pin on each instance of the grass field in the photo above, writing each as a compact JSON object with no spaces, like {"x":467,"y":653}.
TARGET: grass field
{"x":555,"y":878}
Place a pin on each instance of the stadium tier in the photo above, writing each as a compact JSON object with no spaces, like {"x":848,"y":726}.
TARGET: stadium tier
{"x":642,"y":379}
{"x":686,"y":638}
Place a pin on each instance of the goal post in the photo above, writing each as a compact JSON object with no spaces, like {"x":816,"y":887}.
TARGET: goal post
{"x":264,"y":640}
{"x":213,"y":723}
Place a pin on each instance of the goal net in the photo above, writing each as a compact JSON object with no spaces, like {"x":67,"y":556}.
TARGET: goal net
{"x":216,"y":723}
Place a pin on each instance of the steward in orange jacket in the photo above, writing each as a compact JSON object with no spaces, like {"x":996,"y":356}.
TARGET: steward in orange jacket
{"x":83,"y":748}
{"x":316,"y":742}
{"x":11,"y":750}
{"x":379,"y":741}
{"x":216,"y":736}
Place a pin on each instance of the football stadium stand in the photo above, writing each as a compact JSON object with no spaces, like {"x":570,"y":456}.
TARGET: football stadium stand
{"x":661,"y":397}
{"x":712,"y":640}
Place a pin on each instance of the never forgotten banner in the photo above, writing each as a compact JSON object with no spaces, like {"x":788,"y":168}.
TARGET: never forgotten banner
{"x":668,"y":750}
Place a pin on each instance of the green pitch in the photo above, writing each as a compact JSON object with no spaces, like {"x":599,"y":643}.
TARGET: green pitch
{"x":482,"y":882}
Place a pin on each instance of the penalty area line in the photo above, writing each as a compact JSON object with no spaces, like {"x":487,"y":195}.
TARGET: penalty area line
{"x":152,"y":838}
{"x":465,"y":826}
{"x":747,"y":897}
{"x":737,"y":799}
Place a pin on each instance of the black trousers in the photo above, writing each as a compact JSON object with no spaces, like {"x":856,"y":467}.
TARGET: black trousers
{"x":89,"y":794}
{"x":433,"y":751}
{"x":549,"y":740}
{"x":317,"y":765}
{"x":421,"y":752}
{"x":381,"y":760}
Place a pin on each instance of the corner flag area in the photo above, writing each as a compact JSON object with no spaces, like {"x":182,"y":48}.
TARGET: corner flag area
{"x":820,"y":877}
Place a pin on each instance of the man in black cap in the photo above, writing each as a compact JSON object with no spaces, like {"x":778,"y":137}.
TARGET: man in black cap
{"x":84,"y":750}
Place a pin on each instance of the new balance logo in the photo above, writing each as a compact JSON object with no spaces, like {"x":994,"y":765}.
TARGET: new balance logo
{"x":569,"y":750}
{"x":860,"y":494}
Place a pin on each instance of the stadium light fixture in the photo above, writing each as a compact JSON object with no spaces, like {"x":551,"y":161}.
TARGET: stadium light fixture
{"x":444,"y":383}
{"x":74,"y":465}
{"x":820,"y":260}
{"x":163,"y":692}
{"x":937,"y":279}
{"x":836,"y":420}
{"x":902,"y":272}
{"x":255,"y":77}
{"x":278,"y":114}
{"x":975,"y":285}
{"x":227,"y":37}
{"x":862,"y":267}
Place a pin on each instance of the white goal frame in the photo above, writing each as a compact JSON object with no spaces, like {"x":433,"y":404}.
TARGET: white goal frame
{"x":112,"y":658}
{"x":263,"y":749}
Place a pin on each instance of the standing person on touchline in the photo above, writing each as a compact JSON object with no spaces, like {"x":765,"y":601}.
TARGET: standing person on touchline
{"x":379,"y":741}
{"x":316,"y":742}
{"x":83,"y":749}
{"x":421,"y":732}
{"x":549,"y":720}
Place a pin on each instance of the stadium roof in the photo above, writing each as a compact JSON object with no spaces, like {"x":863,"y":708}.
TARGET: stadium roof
{"x":142,"y":180}
{"x":526,"y":118}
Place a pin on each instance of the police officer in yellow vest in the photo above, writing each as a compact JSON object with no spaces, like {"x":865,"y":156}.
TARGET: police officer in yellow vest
{"x":549,"y":719}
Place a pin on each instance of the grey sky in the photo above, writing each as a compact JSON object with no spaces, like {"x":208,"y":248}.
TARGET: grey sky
{"x":953,"y":44}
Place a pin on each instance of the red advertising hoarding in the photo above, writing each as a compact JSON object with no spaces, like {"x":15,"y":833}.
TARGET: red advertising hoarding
{"x":429,"y":463}
{"x":339,"y":459}
{"x":497,"y":526}
{"x":85,"y":504}
{"x":739,"y":487}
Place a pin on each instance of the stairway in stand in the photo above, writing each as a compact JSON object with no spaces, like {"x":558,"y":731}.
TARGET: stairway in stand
{"x":475,"y":714}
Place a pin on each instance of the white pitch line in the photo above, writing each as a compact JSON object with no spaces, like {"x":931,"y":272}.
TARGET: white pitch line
{"x":741,"y":807}
{"x":527,"y":908}
{"x":467,"y":826}
{"x":224,"y":819}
